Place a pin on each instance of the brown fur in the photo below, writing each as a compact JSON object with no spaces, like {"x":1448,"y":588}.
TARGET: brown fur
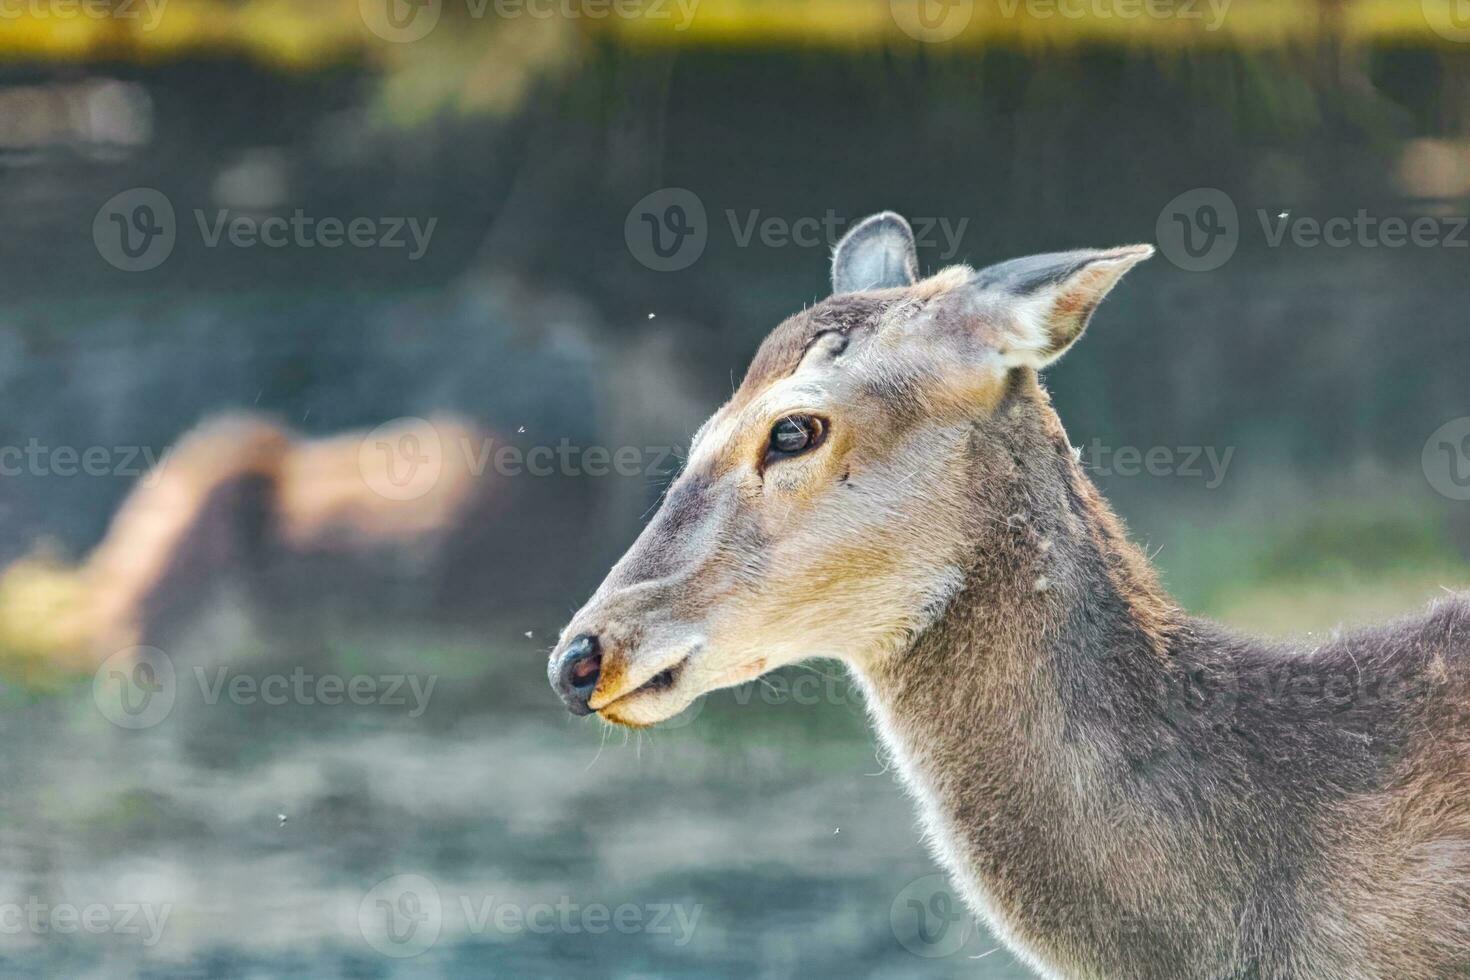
{"x":1096,"y":846}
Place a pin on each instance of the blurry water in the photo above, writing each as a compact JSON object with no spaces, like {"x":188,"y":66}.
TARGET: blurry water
{"x":481,"y":829}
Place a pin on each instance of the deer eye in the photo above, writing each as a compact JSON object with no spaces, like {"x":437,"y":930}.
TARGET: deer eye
{"x":795,"y":434}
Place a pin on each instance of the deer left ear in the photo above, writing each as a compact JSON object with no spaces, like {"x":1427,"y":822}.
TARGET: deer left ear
{"x":1051,"y":297}
{"x":878,"y":253}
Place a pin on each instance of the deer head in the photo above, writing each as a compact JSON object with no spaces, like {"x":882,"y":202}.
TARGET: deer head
{"x":826,"y":510}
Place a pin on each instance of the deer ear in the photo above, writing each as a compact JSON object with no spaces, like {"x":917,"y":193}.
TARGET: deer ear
{"x":878,"y":253}
{"x":1052,"y":296}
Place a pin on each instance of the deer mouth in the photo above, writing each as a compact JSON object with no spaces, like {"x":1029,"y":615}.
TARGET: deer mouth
{"x":628,"y":703}
{"x":656,"y":684}
{"x":663,"y":680}
{"x":631,"y":710}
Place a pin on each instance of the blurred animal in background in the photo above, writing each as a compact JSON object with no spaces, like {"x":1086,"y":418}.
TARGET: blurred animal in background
{"x":411,"y":518}
{"x":245,"y":509}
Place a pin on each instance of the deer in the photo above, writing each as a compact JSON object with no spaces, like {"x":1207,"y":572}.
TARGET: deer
{"x":1118,"y":788}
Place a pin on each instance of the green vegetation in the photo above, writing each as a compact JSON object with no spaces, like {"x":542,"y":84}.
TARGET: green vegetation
{"x":1339,"y":565}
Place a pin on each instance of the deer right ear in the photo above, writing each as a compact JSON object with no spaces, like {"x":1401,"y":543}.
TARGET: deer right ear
{"x":878,"y":253}
{"x":1051,"y":298}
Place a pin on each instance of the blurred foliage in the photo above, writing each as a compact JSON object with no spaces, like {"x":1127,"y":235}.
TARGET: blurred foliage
{"x":307,"y":33}
{"x":1368,"y":542}
{"x":43,"y":635}
{"x":288,"y":33}
{"x":476,"y":60}
{"x":1314,"y":569}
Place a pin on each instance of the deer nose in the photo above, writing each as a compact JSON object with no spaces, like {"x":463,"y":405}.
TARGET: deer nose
{"x":574,"y":674}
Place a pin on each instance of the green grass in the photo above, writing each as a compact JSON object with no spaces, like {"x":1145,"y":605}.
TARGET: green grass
{"x":1314,"y":569}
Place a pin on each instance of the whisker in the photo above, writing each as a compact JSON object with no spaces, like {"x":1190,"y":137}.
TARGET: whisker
{"x":600,"y":745}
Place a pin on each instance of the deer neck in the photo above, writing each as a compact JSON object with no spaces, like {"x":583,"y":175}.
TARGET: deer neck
{"x":1003,"y":716}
